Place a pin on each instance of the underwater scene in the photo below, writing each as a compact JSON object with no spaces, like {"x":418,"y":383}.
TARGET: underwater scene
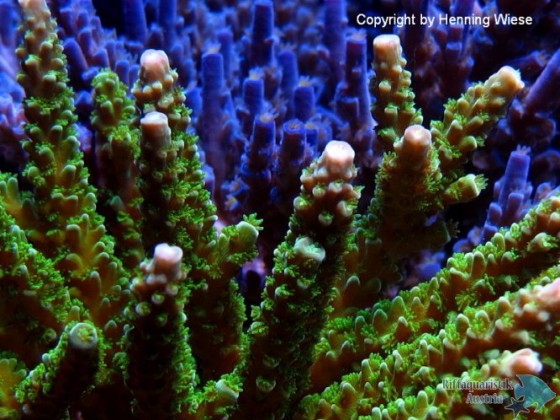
{"x":291,"y":209}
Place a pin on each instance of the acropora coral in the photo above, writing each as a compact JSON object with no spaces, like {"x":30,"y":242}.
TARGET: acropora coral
{"x":220,"y":209}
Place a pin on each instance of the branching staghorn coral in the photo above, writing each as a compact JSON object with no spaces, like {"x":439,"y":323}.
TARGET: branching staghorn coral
{"x":118,"y":291}
{"x":460,"y":310}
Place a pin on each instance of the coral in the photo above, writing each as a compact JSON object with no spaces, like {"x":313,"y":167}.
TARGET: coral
{"x":182,"y":238}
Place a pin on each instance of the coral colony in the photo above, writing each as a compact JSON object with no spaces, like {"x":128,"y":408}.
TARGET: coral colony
{"x":279,"y":210}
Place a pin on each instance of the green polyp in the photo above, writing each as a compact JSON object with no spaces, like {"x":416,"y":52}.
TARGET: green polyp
{"x":309,"y":250}
{"x":83,"y":336}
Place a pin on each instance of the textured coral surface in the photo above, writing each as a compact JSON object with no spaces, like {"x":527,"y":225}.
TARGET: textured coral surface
{"x":279,"y":209}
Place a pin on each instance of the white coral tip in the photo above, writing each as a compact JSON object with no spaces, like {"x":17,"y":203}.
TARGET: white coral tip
{"x":155,"y":126}
{"x":385,"y":42}
{"x":167,"y":261}
{"x":154,"y":118}
{"x":510,"y":79}
{"x":338,"y":157}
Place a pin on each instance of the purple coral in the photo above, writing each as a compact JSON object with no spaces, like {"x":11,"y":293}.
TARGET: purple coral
{"x":513,"y":192}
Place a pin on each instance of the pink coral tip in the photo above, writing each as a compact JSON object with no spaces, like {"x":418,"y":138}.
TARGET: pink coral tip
{"x":549,"y":296}
{"x":156,"y":127}
{"x":154,"y":119}
{"x":510,"y":79}
{"x":338,"y":157}
{"x":387,"y":49}
{"x":33,"y":4}
{"x":36,"y":8}
{"x":167,"y":261}
{"x":524,"y":361}
{"x":414,"y":145}
{"x":155,"y":65}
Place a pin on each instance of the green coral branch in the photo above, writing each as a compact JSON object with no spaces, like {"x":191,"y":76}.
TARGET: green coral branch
{"x":32,"y":289}
{"x":292,"y":313}
{"x":11,"y":374}
{"x":394,"y":108}
{"x":178,"y":209}
{"x":176,"y":206}
{"x":525,"y":320}
{"x":160,"y":371}
{"x":55,"y":167}
{"x":506,"y":263}
{"x":117,"y":148}
{"x":310,"y":352}
{"x":421,"y":173}
{"x":467,"y":121}
{"x":406,"y":196}
{"x":68,"y":229}
{"x":66,"y":372}
{"x":217,"y":318}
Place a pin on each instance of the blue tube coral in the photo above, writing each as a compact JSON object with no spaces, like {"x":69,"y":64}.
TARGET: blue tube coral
{"x":353,"y":220}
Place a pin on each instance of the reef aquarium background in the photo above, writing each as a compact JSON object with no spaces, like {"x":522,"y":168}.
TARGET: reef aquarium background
{"x":279,"y":209}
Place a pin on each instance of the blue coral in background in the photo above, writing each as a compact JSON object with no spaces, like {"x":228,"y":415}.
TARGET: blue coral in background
{"x":220,"y":209}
